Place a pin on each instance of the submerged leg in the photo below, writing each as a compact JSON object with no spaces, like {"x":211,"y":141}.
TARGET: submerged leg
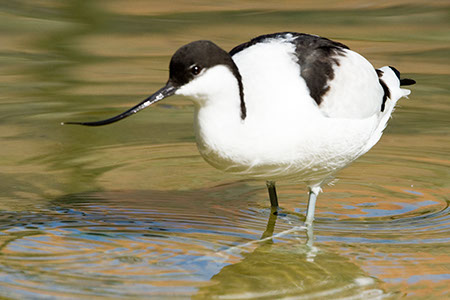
{"x":313,"y":192}
{"x":270,"y":223}
{"x":272,"y":193}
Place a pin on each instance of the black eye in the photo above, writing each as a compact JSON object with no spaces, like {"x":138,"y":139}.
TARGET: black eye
{"x":195,"y":70}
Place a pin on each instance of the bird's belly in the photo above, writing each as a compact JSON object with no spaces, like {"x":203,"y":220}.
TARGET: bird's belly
{"x":308,"y":163}
{"x":307,"y":148}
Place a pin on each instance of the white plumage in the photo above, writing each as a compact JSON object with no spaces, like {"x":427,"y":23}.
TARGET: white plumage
{"x":282,"y":106}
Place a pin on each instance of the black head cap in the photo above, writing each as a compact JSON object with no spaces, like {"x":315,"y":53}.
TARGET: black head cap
{"x":191,"y":59}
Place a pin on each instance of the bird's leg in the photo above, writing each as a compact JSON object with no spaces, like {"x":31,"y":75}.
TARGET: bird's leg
{"x":272,"y":195}
{"x":310,"y":235}
{"x":313,"y":192}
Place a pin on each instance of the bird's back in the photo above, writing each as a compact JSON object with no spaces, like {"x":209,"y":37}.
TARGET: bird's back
{"x":340,"y":82}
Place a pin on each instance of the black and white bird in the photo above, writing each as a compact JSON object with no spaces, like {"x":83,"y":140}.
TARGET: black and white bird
{"x":281,"y":106}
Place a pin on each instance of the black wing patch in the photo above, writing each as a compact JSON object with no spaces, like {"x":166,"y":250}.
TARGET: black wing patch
{"x":315,"y":55}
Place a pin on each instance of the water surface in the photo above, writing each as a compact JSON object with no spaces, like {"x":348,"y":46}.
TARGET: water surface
{"x":132,"y":211}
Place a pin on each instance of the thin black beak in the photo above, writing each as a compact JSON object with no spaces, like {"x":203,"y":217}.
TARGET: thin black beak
{"x":162,"y":93}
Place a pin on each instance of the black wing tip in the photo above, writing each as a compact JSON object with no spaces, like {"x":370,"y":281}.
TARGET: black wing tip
{"x":403,"y":81}
{"x":407,"y":81}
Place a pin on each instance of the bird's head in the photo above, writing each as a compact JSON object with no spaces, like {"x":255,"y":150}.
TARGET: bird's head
{"x":197,"y":69}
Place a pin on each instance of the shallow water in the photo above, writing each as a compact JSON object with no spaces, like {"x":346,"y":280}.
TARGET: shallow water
{"x":132,"y":211}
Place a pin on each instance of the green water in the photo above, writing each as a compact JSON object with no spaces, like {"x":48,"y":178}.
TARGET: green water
{"x":132,"y":211}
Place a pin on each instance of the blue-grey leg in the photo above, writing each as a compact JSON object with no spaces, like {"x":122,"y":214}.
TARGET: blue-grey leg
{"x":313,"y":192}
{"x":310,"y":235}
{"x":272,"y":194}
{"x":311,"y":250}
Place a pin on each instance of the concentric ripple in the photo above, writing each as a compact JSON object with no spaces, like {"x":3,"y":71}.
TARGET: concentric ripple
{"x":129,"y":244}
{"x":109,"y":248}
{"x":223,"y":241}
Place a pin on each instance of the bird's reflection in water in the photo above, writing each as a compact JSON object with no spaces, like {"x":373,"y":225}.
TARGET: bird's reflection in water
{"x":271,"y":268}
{"x":190,"y":243}
{"x":268,"y":236}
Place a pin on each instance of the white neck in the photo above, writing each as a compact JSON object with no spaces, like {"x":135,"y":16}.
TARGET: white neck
{"x":218,"y":124}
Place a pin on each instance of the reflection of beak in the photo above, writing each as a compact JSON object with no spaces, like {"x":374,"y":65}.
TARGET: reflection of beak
{"x":164,"y":92}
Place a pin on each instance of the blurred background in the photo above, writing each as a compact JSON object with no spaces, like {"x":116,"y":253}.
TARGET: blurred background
{"x":131,"y":210}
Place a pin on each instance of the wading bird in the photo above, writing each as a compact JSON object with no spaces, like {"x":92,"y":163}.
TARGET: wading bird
{"x":281,"y":106}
